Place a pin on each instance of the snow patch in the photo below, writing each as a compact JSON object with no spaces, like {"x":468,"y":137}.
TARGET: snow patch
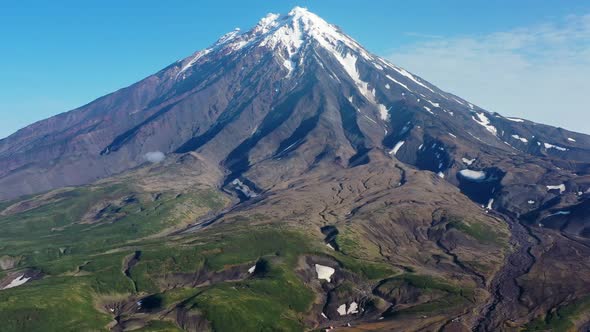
{"x":531,"y":202}
{"x":483,"y":121}
{"x":560,"y":187}
{"x":398,"y":83}
{"x":387,"y":86}
{"x":560,"y":213}
{"x":428,"y":110}
{"x":348,"y":62}
{"x":244,"y":189}
{"x":522,"y":139}
{"x":324,"y":272}
{"x":457,"y":100}
{"x":411,"y":77}
{"x":490,"y":203}
{"x":571,"y":139}
{"x":352,"y":309}
{"x":472,"y":175}
{"x":468,"y":162}
{"x":396,"y":148}
{"x":18,"y":281}
{"x":342,"y":310}
{"x":551,"y":146}
{"x":433,"y":104}
{"x":515,"y":119}
{"x":441,"y":175}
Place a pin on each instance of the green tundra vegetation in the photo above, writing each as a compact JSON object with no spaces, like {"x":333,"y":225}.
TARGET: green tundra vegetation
{"x":84,"y":259}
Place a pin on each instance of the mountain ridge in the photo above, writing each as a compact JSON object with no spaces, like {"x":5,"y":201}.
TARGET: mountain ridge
{"x":105,"y":125}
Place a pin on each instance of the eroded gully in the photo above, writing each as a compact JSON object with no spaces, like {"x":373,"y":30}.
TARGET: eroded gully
{"x":503,"y":303}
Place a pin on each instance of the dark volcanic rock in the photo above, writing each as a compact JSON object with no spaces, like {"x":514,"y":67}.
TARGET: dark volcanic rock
{"x":269,"y":103}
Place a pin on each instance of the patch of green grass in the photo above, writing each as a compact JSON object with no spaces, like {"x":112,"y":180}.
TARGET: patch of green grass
{"x":429,"y":282}
{"x":271,"y":303}
{"x":439,"y":305}
{"x":370,"y":270}
{"x":52,"y":232}
{"x":452,"y":296}
{"x":53,"y":304}
{"x":83,"y":262}
{"x":215,"y":251}
{"x":247,"y":245}
{"x":159,"y":326}
{"x":480,"y":232}
{"x":353,"y":242}
{"x":174,"y":296}
{"x":562,"y":319}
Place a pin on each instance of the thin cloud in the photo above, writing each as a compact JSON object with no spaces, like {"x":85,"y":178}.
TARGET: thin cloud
{"x":423,"y":35}
{"x":539,"y":72}
{"x":154,"y":157}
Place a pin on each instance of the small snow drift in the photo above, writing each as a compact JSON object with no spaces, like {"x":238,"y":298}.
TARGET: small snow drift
{"x":483,"y":121}
{"x":154,"y":157}
{"x":472,"y":175}
{"x":396,"y":148}
{"x":324,"y":272}
{"x":353,"y":308}
{"x":490,"y":204}
{"x":515,"y":119}
{"x":522,"y":139}
{"x":552,"y":146}
{"x":341,"y":310}
{"x":18,"y":281}
{"x":467,"y":161}
{"x":560,"y":213}
{"x":244,"y":189}
{"x":560,"y":187}
{"x":481,"y":185}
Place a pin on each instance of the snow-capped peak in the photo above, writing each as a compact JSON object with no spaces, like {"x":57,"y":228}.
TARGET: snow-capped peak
{"x":266,"y":23}
{"x":293,"y":37}
{"x":285,"y":33}
{"x":299,"y":11}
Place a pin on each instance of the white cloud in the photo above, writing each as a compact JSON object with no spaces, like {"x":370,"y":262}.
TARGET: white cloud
{"x":540,"y":72}
{"x":154,"y":157}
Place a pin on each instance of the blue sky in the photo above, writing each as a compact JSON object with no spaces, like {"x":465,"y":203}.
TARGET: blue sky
{"x":520,"y":58}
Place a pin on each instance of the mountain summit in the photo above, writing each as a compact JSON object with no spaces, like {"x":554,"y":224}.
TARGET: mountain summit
{"x":293,"y":86}
{"x":290,"y":179}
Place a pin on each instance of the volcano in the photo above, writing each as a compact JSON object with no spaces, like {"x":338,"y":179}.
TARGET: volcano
{"x":416,"y":207}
